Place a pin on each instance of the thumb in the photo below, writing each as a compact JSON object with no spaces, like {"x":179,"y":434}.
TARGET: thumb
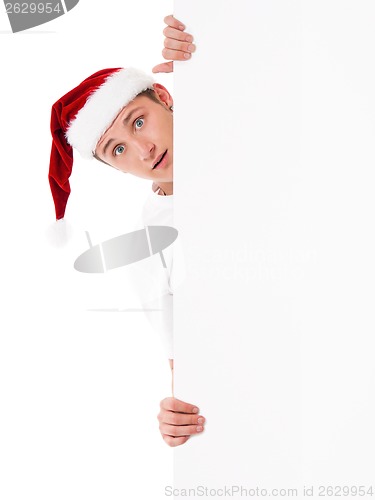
{"x":166,"y":67}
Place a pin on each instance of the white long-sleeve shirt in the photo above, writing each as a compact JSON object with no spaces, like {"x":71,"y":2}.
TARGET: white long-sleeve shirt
{"x":158,"y":211}
{"x":153,"y":282}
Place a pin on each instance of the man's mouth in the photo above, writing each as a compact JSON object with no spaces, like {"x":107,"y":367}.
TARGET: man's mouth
{"x":159,"y":159}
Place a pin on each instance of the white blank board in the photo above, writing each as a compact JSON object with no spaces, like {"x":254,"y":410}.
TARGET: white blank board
{"x":274,"y":202}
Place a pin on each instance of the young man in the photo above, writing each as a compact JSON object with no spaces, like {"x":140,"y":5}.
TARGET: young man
{"x":123,"y":118}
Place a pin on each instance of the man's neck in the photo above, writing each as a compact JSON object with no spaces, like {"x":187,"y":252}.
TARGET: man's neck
{"x":166,"y":187}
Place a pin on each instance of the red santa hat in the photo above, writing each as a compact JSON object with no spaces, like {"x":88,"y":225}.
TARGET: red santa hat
{"x":80,"y":118}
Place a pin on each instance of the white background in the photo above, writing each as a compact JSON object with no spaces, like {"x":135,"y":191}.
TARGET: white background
{"x":79,"y":390}
{"x":281,"y":364}
{"x":274,"y":200}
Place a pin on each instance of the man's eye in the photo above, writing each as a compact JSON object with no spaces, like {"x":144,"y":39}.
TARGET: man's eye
{"x":119,"y":150}
{"x":139,"y":123}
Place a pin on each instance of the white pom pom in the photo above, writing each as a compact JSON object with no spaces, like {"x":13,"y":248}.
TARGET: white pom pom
{"x":59,"y":233}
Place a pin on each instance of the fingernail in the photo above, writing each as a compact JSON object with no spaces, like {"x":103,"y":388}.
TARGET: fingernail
{"x":189,"y":38}
{"x":191,"y":47}
{"x":195,"y":410}
{"x":200,"y":420}
{"x":199,"y":428}
{"x":187,"y":56}
{"x":181,"y":27}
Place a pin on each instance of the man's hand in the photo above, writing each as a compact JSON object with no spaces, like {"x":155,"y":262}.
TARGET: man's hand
{"x":178,"y":45}
{"x":178,"y":421}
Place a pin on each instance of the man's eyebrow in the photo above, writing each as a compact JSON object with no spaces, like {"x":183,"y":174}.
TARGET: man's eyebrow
{"x":125,"y":121}
{"x":106,"y":146}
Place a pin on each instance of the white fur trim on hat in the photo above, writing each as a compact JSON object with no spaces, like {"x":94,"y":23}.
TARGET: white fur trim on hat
{"x":102,"y":107}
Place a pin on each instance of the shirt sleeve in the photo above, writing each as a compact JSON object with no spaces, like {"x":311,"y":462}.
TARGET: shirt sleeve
{"x":159,"y":313}
{"x":152,"y":282}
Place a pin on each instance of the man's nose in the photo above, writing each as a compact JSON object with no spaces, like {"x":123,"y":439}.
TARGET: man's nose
{"x":145,"y":148}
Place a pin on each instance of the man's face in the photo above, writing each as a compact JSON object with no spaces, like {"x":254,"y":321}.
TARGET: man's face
{"x":141,"y":136}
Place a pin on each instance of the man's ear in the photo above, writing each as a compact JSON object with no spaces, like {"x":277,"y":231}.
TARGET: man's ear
{"x":163,"y":94}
